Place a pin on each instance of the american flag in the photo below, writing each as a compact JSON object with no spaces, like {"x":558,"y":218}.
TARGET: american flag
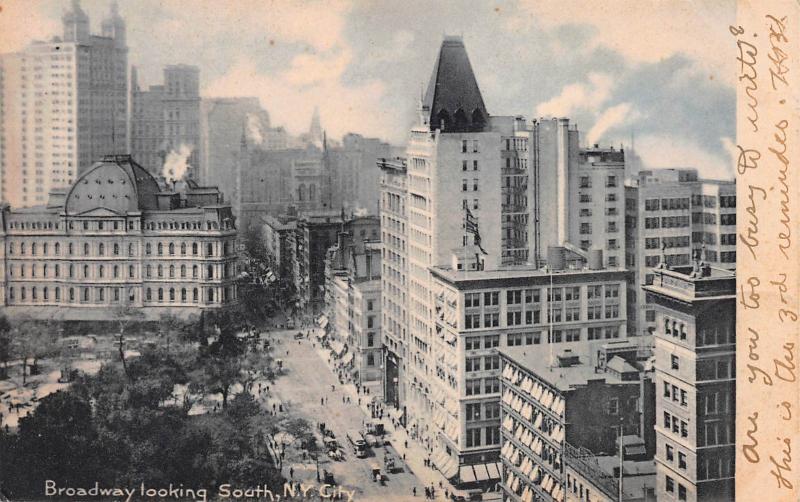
{"x":471,"y":226}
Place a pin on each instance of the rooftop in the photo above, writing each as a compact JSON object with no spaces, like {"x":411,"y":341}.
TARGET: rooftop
{"x":695,"y":282}
{"x":523,"y":272}
{"x":564,"y":378}
{"x":453,"y":99}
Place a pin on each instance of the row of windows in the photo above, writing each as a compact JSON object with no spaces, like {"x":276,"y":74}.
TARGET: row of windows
{"x":114,"y":294}
{"x":115,"y":248}
{"x":477,"y":386}
{"x":115,"y":271}
{"x":491,"y":437}
{"x":482,"y":411}
{"x":489,"y":363}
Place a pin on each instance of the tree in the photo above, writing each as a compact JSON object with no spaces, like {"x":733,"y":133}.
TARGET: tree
{"x":125,"y":316}
{"x":6,"y":346}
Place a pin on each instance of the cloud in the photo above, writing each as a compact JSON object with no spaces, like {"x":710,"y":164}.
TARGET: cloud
{"x":578,"y":96}
{"x":610,"y":117}
{"x":343,"y":108}
{"x":648,"y":30}
{"x":659,"y":151}
{"x":22,"y":22}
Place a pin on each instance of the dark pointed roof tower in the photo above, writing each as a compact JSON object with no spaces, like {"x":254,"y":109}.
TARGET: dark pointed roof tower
{"x":453,"y":98}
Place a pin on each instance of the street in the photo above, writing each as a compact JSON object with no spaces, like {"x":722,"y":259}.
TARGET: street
{"x":305,"y":380}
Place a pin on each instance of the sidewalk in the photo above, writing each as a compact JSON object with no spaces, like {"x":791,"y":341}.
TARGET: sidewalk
{"x":398,"y":437}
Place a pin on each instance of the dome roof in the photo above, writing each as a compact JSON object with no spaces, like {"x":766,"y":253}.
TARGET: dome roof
{"x":116,"y":184}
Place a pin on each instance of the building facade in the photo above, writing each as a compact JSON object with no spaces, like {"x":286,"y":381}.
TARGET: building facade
{"x":165,"y":122}
{"x":64,"y":104}
{"x":695,"y":349}
{"x":485,"y":197}
{"x":671,"y":215}
{"x":115,"y":238}
{"x":559,"y":415}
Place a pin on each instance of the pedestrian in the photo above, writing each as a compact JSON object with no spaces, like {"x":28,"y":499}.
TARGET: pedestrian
{"x":291,"y":473}
{"x":359,"y":401}
{"x":404,"y":456}
{"x":433,"y":491}
{"x":414,"y":491}
{"x":406,"y":444}
{"x":343,"y":400}
{"x":427,"y":493}
{"x":322,"y":401}
{"x":446,"y":494}
{"x":440,"y":484}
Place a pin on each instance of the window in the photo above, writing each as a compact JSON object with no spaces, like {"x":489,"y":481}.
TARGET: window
{"x":670,"y":485}
{"x":472,"y":387}
{"x":473,"y":412}
{"x":491,"y":363}
{"x":148,"y":249}
{"x":491,"y":342}
{"x":681,"y":492}
{"x":491,"y":298}
{"x":464,"y":185}
{"x":463,"y":165}
{"x":492,"y":435}
{"x":473,"y":437}
{"x":370,"y":359}
{"x":682,"y":460}
{"x":116,"y":249}
{"x":160,"y":249}
{"x":670,"y":453}
{"x":475,"y":184}
{"x":464,"y":143}
{"x":194,"y":248}
{"x":370,"y":339}
{"x":472,"y":343}
{"x":491,"y":385}
{"x":472,"y":300}
{"x":675,"y":362}
{"x":612,"y":407}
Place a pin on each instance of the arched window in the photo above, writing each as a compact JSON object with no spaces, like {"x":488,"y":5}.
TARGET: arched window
{"x":148,"y":249}
{"x":160,"y":249}
{"x":71,"y":294}
{"x":58,"y":249}
{"x":45,"y":293}
{"x":71,"y":249}
{"x":209,"y":249}
{"x":86,"y":249}
{"x":101,"y":249}
{"x":86,"y":294}
{"x":58,"y":294}
{"x":116,"y":249}
{"x":194,"y":248}
{"x":160,"y":294}
{"x":58,"y":270}
{"x":22,"y":292}
{"x":444,"y":119}
{"x":102,"y":271}
{"x":477,"y":118}
{"x":460,"y":118}
{"x":44,"y":270}
{"x":44,"y":248}
{"x":10,"y":248}
{"x":148,"y":270}
{"x":183,"y":294}
{"x":172,"y":271}
{"x":33,"y":248}
{"x":210,"y":297}
{"x":86,"y":271}
{"x":210,"y":272}
{"x":183,"y":270}
{"x":194,"y":271}
{"x":301,"y":193}
{"x":33,"y":293}
{"x":131,"y":271}
{"x":171,"y":248}
{"x":116,"y":271}
{"x":22,"y":248}
{"x":183,"y":248}
{"x":172,"y":294}
{"x":194,"y":295}
{"x":71,"y":271}
{"x":160,"y":271}
{"x":149,"y":294}
{"x":130,"y":249}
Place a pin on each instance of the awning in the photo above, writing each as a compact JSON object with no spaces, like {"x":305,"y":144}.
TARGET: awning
{"x":348,"y":358}
{"x":322,"y":321}
{"x":450,"y":469}
{"x":494,"y":470}
{"x":481,"y":474}
{"x":466,"y":474}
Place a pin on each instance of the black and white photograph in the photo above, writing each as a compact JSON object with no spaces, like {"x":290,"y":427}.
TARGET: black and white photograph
{"x":367,"y":251}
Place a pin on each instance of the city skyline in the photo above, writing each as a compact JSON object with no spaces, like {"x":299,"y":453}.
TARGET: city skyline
{"x":366,"y":76}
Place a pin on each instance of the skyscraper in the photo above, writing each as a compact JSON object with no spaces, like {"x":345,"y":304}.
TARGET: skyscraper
{"x":695,"y":349}
{"x":64,"y":105}
{"x":470,"y":217}
{"x":165,"y":123}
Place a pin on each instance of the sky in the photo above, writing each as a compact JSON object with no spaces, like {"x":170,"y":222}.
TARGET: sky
{"x":658,"y":73}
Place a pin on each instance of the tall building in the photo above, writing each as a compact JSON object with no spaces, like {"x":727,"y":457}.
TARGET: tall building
{"x":116,"y":238}
{"x":483,"y":200}
{"x":695,"y":349}
{"x":165,"y":123}
{"x":671,"y":214}
{"x":225,"y":124}
{"x":64,"y":104}
{"x":394,"y":306}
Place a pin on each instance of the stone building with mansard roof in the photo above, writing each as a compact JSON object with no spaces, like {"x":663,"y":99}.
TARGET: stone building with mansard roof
{"x":116,"y":237}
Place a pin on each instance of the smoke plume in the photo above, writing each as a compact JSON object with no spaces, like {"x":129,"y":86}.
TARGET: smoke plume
{"x":254,"y":129}
{"x":176,"y":164}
